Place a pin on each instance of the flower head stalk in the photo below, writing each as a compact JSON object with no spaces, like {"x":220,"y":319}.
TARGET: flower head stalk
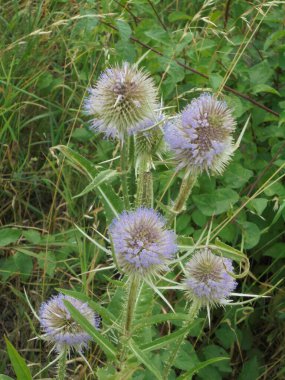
{"x":201,"y":136}
{"x":121,"y":99}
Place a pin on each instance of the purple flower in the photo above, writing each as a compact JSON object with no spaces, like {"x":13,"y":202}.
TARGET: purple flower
{"x":59,"y":327}
{"x":142,"y":244}
{"x":207,"y":280}
{"x":122,"y":97}
{"x":201,"y":136}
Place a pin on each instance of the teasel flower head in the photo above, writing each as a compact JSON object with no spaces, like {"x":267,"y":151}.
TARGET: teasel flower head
{"x":122,"y":98}
{"x":208,"y":281}
{"x":60,"y":328}
{"x":142,"y":244}
{"x":201,"y":136}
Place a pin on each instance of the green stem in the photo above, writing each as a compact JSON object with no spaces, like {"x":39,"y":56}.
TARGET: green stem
{"x":124,"y":175}
{"x":62,"y":365}
{"x":185,"y":190}
{"x":131,"y":303}
{"x":144,"y":184}
{"x":193,"y":313}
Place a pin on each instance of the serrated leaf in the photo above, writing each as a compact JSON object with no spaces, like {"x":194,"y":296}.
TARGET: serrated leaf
{"x":100,"y":339}
{"x":124,"y":28}
{"x":189,"y":374}
{"x":20,"y":367}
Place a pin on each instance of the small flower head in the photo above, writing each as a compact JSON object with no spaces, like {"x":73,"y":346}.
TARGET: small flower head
{"x":207,"y":279}
{"x":142,"y":244}
{"x":59,"y":327}
{"x":201,"y":136}
{"x":149,"y":139}
{"x":122,"y":97}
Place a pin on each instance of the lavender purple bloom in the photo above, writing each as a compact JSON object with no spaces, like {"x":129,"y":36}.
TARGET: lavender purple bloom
{"x":58,"y":326}
{"x":201,"y":136}
{"x":142,"y":244}
{"x":122,"y":97}
{"x":207,"y":280}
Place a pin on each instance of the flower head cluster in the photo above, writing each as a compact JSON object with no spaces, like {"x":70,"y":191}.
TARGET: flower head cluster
{"x":142,"y":244}
{"x":60,"y":328}
{"x":122,"y":98}
{"x":201,"y":136}
{"x":207,"y":279}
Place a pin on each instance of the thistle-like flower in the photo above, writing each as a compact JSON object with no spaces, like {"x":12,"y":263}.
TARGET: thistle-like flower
{"x":201,"y":136}
{"x":142,"y":244}
{"x":207,"y":279}
{"x":122,"y":97}
{"x":59,"y":327}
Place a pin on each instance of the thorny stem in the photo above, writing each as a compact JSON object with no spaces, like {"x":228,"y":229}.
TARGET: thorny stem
{"x":124,"y":168}
{"x":184,"y":192}
{"x":144,"y":184}
{"x":193,"y":313}
{"x":62,"y":365}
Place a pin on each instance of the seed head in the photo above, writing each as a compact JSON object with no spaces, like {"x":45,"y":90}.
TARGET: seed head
{"x":201,"y":136}
{"x":60,"y":328}
{"x":207,"y":280}
{"x":122,"y":97}
{"x":142,"y":244}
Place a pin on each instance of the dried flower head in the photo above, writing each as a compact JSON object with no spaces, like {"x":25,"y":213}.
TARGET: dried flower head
{"x":60,"y":328}
{"x":201,"y":136}
{"x":142,"y":244}
{"x":122,"y":97}
{"x":207,"y":279}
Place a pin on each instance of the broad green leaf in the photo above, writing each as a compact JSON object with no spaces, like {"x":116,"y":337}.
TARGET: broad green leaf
{"x":251,"y":234}
{"x":124,"y":28}
{"x":24,"y":264}
{"x":189,"y":374}
{"x":272,"y":37}
{"x":4,"y":377}
{"x":20,"y":367}
{"x":144,"y":359}
{"x":264,"y":88}
{"x":258,"y":205}
{"x":217,"y":202}
{"x":99,"y":338}
{"x":33,"y":236}
{"x":236,"y":176}
{"x":8,"y":236}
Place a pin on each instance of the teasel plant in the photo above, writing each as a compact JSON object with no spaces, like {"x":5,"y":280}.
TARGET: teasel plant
{"x":141,"y":246}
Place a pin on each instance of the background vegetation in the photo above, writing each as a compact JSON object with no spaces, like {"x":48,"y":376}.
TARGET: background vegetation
{"x":51,"y":52}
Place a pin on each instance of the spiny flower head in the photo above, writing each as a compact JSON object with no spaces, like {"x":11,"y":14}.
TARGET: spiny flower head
{"x":142,"y":244}
{"x":60,"y":328}
{"x":122,"y":97}
{"x":207,"y":279}
{"x":201,"y":136}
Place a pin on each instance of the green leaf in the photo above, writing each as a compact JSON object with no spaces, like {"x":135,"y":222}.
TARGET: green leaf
{"x":4,"y":377}
{"x":24,"y":264}
{"x":251,"y":234}
{"x":264,"y":88}
{"x":47,"y":262}
{"x":160,"y":318}
{"x":143,"y":358}
{"x":258,"y":205}
{"x":251,"y":370}
{"x":103,"y":177}
{"x":8,"y":236}
{"x":20,"y":367}
{"x":236,"y":176}
{"x":165,"y":340}
{"x":189,"y":374}
{"x":125,"y":30}
{"x":100,"y":339}
{"x":260,"y":73}
{"x":272,"y":38}
{"x":33,"y":236}
{"x":216,"y":203}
